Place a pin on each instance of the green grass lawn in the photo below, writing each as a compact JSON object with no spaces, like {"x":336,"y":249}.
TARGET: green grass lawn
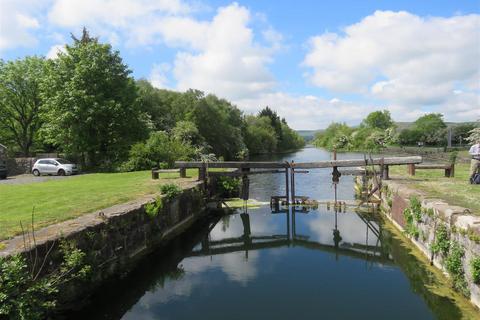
{"x":62,"y":199}
{"x":455,"y":191}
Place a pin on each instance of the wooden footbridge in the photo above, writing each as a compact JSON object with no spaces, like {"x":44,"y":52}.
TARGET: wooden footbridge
{"x":289,"y":169}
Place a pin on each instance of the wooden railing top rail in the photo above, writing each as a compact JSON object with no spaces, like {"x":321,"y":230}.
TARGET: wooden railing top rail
{"x":300,"y":165}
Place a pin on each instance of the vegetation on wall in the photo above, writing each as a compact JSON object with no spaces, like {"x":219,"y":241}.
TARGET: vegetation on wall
{"x":24,"y":294}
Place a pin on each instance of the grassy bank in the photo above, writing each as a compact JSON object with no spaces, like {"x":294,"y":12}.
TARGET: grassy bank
{"x":63,"y":199}
{"x":456,"y":191}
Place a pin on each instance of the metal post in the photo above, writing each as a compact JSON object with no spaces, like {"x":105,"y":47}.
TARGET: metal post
{"x":292,"y":181}
{"x":287,"y":192}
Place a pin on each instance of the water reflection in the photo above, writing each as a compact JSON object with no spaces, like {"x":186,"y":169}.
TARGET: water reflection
{"x":293,"y":262}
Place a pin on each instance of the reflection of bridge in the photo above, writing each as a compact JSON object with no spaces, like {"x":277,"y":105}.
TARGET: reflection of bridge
{"x":248,"y":242}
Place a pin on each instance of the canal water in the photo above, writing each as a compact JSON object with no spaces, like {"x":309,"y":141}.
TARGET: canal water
{"x":292,"y":264}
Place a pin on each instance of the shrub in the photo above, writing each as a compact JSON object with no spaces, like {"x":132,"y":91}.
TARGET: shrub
{"x":475,"y":269}
{"x":228,"y":187}
{"x":153,"y":208}
{"x":160,"y":150}
{"x":23,"y":295}
{"x":454,"y":266}
{"x":170,"y":190}
{"x":442,"y":241}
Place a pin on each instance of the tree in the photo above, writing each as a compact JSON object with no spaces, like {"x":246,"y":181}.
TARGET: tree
{"x":461,"y":131}
{"x":432,"y":129}
{"x":20,"y":100}
{"x":160,"y":150}
{"x":260,"y":137}
{"x":91,"y":103}
{"x":379,"y":120}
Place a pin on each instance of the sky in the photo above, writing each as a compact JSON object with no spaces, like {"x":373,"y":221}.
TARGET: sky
{"x":314,"y":62}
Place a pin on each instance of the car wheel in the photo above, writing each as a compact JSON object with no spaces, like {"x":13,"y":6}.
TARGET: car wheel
{"x":36,"y":173}
{"x":61,"y":172}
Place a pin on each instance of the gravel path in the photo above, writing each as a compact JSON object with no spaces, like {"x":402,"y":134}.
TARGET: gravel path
{"x":30,"y":178}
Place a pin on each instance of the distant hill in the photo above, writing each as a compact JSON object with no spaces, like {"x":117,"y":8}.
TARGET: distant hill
{"x":307,"y":134}
{"x":406,"y":125}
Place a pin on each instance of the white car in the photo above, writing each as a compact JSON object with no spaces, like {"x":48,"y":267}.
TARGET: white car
{"x":54,"y":166}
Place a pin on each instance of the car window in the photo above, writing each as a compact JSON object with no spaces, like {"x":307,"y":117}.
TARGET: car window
{"x":63,"y":161}
{"x":52,"y":162}
{"x":43,"y":162}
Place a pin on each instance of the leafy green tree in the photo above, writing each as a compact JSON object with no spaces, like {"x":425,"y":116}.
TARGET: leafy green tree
{"x":336,"y":136}
{"x":91,"y":104}
{"x":260,"y":137}
{"x":275,"y":121}
{"x":432,"y":128}
{"x":220,"y":123}
{"x":160,"y":150}
{"x":20,"y":101}
{"x":379,"y":120}
{"x":187,"y":131}
{"x":462,"y":131}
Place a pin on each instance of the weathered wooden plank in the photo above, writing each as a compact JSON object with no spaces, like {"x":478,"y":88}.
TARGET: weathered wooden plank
{"x":358,"y":162}
{"x":231,"y":164}
{"x":240,"y":173}
{"x":432,"y":166}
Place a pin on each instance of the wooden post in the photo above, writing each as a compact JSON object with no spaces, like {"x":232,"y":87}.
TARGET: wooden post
{"x":450,"y":171}
{"x":386,"y":173}
{"x":155,"y":174}
{"x":183,"y":172}
{"x":202,"y":173}
{"x":411,"y":169}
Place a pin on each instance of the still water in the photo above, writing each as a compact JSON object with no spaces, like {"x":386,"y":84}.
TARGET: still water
{"x":256,"y":264}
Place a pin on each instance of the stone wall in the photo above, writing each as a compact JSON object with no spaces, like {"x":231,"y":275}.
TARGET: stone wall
{"x":423,"y":228}
{"x":17,"y":166}
{"x":114,"y":238}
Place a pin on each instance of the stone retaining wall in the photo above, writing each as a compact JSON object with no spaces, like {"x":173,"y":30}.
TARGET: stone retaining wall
{"x":462,"y":229}
{"x":114,"y":238}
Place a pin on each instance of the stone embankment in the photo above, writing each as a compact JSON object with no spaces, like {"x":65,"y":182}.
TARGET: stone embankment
{"x":114,"y":239}
{"x":448,"y":235}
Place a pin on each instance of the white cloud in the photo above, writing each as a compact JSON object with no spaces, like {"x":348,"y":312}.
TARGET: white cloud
{"x":158,"y":76}
{"x":308,"y":112}
{"x":226,"y":60}
{"x":401,"y":58}
{"x":55,"y":50}
{"x":17,"y":22}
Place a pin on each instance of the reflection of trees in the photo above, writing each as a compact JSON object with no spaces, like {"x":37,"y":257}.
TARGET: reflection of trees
{"x":421,"y":279}
{"x":248,"y":242}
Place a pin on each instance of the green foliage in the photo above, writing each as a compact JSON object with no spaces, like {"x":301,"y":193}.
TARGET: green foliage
{"x":159,"y":148}
{"x":228,"y":187}
{"x":453,"y":157}
{"x":90,"y":101}
{"x":20,"y":102}
{"x":376,"y":132}
{"x":23,"y":296}
{"x":474,"y":135}
{"x":416,"y":208}
{"x":454,"y":266}
{"x":462,"y":131}
{"x":429,"y":129}
{"x":152,"y":209}
{"x":475,"y":269}
{"x":410,"y":227}
{"x":379,"y":120}
{"x":260,"y":136}
{"x":442,"y":240}
{"x":170,"y":190}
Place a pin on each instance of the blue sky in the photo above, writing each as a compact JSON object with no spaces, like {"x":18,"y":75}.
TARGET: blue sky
{"x":315,"y":62}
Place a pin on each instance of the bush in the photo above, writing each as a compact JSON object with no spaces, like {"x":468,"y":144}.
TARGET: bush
{"x":160,"y":150}
{"x":475,"y":269}
{"x":454,"y":266}
{"x":442,"y":241}
{"x":170,"y":190}
{"x":228,"y":187}
{"x":25,"y":296}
